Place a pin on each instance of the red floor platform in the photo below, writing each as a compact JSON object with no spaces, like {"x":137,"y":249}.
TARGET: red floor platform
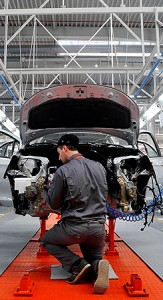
{"x":29,"y":276}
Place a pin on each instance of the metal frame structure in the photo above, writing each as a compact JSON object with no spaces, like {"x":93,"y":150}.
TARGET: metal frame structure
{"x":131,"y":77}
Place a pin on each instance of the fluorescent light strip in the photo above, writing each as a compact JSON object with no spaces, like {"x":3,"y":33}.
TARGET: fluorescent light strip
{"x":122,"y":54}
{"x":101,"y":43}
{"x":151,"y":112}
{"x":141,"y":123}
{"x":8,"y":124}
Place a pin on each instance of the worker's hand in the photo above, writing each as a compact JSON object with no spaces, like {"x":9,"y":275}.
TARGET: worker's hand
{"x":46,"y":187}
{"x":48,"y":182}
{"x":50,"y":178}
{"x":44,"y":204}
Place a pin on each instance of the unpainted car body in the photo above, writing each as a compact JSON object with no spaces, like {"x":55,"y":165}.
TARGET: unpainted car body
{"x":107,"y":124}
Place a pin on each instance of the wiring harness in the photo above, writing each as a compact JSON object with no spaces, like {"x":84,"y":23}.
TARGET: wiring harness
{"x":132,"y":217}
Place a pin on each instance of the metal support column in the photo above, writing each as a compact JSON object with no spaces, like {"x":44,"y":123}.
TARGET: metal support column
{"x":42,"y":251}
{"x":142,"y":35}
{"x":112,"y":250}
{"x":6,"y":35}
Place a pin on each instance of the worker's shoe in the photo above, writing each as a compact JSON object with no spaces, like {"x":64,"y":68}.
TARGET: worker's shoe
{"x":90,"y":275}
{"x":79,"y":271}
{"x":102,"y":282}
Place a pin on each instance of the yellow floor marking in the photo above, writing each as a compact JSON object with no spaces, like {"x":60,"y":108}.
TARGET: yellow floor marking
{"x":3,"y":215}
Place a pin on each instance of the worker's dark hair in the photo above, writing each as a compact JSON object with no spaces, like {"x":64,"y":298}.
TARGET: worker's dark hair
{"x":71,"y":148}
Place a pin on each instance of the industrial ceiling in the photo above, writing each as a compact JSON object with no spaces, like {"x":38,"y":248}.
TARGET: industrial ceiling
{"x":50,"y":42}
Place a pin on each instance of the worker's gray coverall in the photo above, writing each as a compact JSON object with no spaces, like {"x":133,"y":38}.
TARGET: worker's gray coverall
{"x":79,"y":189}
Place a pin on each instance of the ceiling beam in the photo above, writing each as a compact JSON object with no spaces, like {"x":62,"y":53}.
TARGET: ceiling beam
{"x":80,"y":10}
{"x":24,"y":24}
{"x":114,"y":70}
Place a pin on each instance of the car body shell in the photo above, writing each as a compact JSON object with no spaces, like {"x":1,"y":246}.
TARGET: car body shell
{"x":107,"y":123}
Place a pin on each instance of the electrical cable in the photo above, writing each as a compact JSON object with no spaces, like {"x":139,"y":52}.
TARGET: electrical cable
{"x":148,"y":209}
{"x":132,"y":217}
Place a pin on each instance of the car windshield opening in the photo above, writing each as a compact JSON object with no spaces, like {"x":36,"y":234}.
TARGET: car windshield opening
{"x":85,"y":137}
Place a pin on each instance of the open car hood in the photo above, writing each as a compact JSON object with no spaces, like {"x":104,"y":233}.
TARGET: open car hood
{"x":79,"y":107}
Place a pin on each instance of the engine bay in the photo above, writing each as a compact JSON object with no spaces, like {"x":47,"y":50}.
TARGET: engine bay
{"x":128,"y":173}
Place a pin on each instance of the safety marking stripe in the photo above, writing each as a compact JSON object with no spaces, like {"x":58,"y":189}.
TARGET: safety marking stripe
{"x":159,"y":219}
{"x":3,"y":215}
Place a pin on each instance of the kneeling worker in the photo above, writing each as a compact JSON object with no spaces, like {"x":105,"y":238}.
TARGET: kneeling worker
{"x":79,"y":189}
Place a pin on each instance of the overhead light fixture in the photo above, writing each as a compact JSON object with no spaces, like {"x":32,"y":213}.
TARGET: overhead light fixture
{"x":81,"y":43}
{"x":151,"y":112}
{"x":141,"y":123}
{"x":102,"y":43}
{"x":160,"y":98}
{"x":5,"y":121}
{"x":103,"y":54}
